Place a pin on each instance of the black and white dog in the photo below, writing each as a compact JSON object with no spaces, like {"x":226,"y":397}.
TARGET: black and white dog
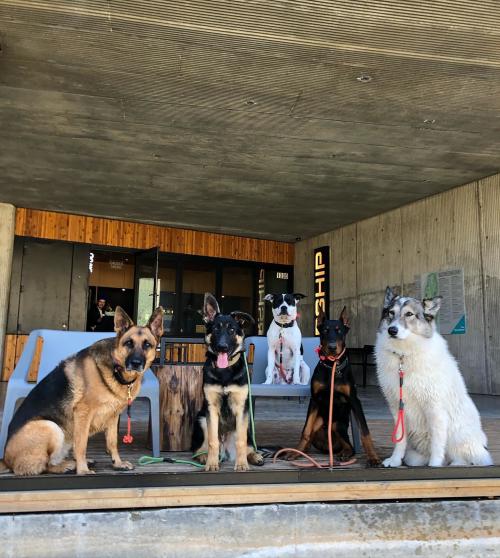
{"x":285,"y":363}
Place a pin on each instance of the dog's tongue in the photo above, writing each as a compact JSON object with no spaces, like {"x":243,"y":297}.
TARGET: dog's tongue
{"x":222,"y":361}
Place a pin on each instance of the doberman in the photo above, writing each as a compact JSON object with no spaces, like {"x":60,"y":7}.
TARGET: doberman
{"x":333,"y":348}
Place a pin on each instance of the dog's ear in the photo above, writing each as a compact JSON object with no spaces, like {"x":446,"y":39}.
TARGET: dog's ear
{"x":431,"y":307}
{"x":321,"y":316}
{"x":122,"y":321}
{"x":155,"y":323}
{"x":298,"y":296}
{"x":344,"y":318}
{"x":243,"y":318}
{"x":269,"y":297}
{"x":389,"y":297}
{"x":210,"y":308}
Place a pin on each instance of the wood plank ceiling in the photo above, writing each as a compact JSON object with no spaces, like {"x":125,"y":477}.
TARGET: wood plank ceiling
{"x":267,"y":118}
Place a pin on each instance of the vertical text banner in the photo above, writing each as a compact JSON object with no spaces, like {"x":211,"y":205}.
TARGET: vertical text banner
{"x":321,"y":283}
{"x":261,"y":311}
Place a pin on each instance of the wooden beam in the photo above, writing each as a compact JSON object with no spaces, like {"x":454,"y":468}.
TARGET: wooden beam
{"x":121,"y":498}
{"x":108,"y":232}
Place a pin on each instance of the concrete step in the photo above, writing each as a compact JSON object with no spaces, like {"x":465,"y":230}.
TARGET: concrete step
{"x":436,"y":528}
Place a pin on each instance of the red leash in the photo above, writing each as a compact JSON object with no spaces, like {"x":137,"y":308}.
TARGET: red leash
{"x":400,"y":422}
{"x":281,"y":369}
{"x":128,"y":438}
{"x":331,"y":462}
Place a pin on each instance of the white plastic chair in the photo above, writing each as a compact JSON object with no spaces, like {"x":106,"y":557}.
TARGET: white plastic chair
{"x":58,"y":345}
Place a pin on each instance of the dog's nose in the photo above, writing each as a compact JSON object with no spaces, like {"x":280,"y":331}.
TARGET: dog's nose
{"x":222,"y":348}
{"x":283,"y":310}
{"x":393,"y":331}
{"x":136,"y":362}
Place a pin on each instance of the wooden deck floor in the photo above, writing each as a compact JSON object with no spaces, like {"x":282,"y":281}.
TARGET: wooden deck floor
{"x":167,"y":484}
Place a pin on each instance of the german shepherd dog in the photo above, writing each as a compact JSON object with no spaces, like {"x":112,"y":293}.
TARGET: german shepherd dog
{"x":83,"y":395}
{"x":222,"y":422}
{"x":345,"y":399}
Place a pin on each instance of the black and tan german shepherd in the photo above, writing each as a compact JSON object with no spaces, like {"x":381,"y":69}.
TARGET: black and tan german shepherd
{"x":332,"y":345}
{"x":222,"y":422}
{"x":83,"y":395}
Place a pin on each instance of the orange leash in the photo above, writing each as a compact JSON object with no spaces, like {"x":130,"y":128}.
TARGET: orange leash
{"x":331,"y":462}
{"x":400,"y":422}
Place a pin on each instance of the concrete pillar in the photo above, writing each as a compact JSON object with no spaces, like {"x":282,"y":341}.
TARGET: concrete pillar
{"x":7,"y":230}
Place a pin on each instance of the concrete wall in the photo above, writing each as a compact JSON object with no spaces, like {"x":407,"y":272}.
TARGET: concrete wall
{"x":7,"y":225}
{"x":426,"y":529}
{"x":457,"y":229}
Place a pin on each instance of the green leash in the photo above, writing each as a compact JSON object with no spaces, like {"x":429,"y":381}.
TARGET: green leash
{"x":252,"y":423}
{"x":149,"y":460}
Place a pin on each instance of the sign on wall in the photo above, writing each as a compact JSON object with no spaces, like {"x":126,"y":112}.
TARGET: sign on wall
{"x":261,"y":311}
{"x":450,"y":285}
{"x":321,"y":283}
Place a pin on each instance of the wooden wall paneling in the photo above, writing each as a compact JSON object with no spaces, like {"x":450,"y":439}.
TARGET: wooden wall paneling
{"x":489,"y":197}
{"x":95,"y":230}
{"x":13,"y":347}
{"x":9,"y":356}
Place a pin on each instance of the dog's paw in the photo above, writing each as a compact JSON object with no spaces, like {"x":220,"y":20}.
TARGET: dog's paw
{"x":344,"y":456}
{"x":212,"y":465}
{"x":241,"y":465}
{"x":392,"y":462}
{"x":84,"y":471}
{"x":373,"y":462}
{"x":202,"y":458}
{"x":256,"y":458}
{"x":123,"y":466}
{"x":290,"y":456}
{"x":436,"y":463}
{"x":268,"y":380}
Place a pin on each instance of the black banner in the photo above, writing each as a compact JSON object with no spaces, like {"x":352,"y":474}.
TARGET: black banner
{"x":321,"y":283}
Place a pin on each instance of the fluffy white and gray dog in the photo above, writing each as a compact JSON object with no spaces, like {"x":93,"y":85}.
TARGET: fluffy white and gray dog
{"x":285,"y":363}
{"x":443,"y":426}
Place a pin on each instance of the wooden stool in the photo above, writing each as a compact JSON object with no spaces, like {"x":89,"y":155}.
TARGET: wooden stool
{"x":181,"y":398}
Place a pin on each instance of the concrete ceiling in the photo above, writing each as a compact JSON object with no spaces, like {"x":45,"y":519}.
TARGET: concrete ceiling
{"x":274,"y":119}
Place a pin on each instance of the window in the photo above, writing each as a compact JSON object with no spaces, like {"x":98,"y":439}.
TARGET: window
{"x":237,"y":289}
{"x":197,"y":279}
{"x":167,"y":288}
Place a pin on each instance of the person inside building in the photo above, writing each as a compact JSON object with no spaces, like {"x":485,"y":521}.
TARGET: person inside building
{"x":95,"y":316}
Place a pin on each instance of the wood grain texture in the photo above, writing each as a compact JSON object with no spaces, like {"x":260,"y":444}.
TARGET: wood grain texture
{"x":181,"y":398}
{"x":120,"y":498}
{"x":126,"y":234}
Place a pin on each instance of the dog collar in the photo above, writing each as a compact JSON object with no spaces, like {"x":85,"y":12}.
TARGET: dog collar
{"x":340,"y":366}
{"x":329,"y":360}
{"x":118,"y":374}
{"x":290,"y":324}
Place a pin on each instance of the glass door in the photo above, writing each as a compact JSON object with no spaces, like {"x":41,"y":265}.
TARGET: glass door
{"x":146,"y":284}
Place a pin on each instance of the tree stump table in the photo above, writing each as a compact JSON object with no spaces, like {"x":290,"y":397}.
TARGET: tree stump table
{"x":181,"y":398}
